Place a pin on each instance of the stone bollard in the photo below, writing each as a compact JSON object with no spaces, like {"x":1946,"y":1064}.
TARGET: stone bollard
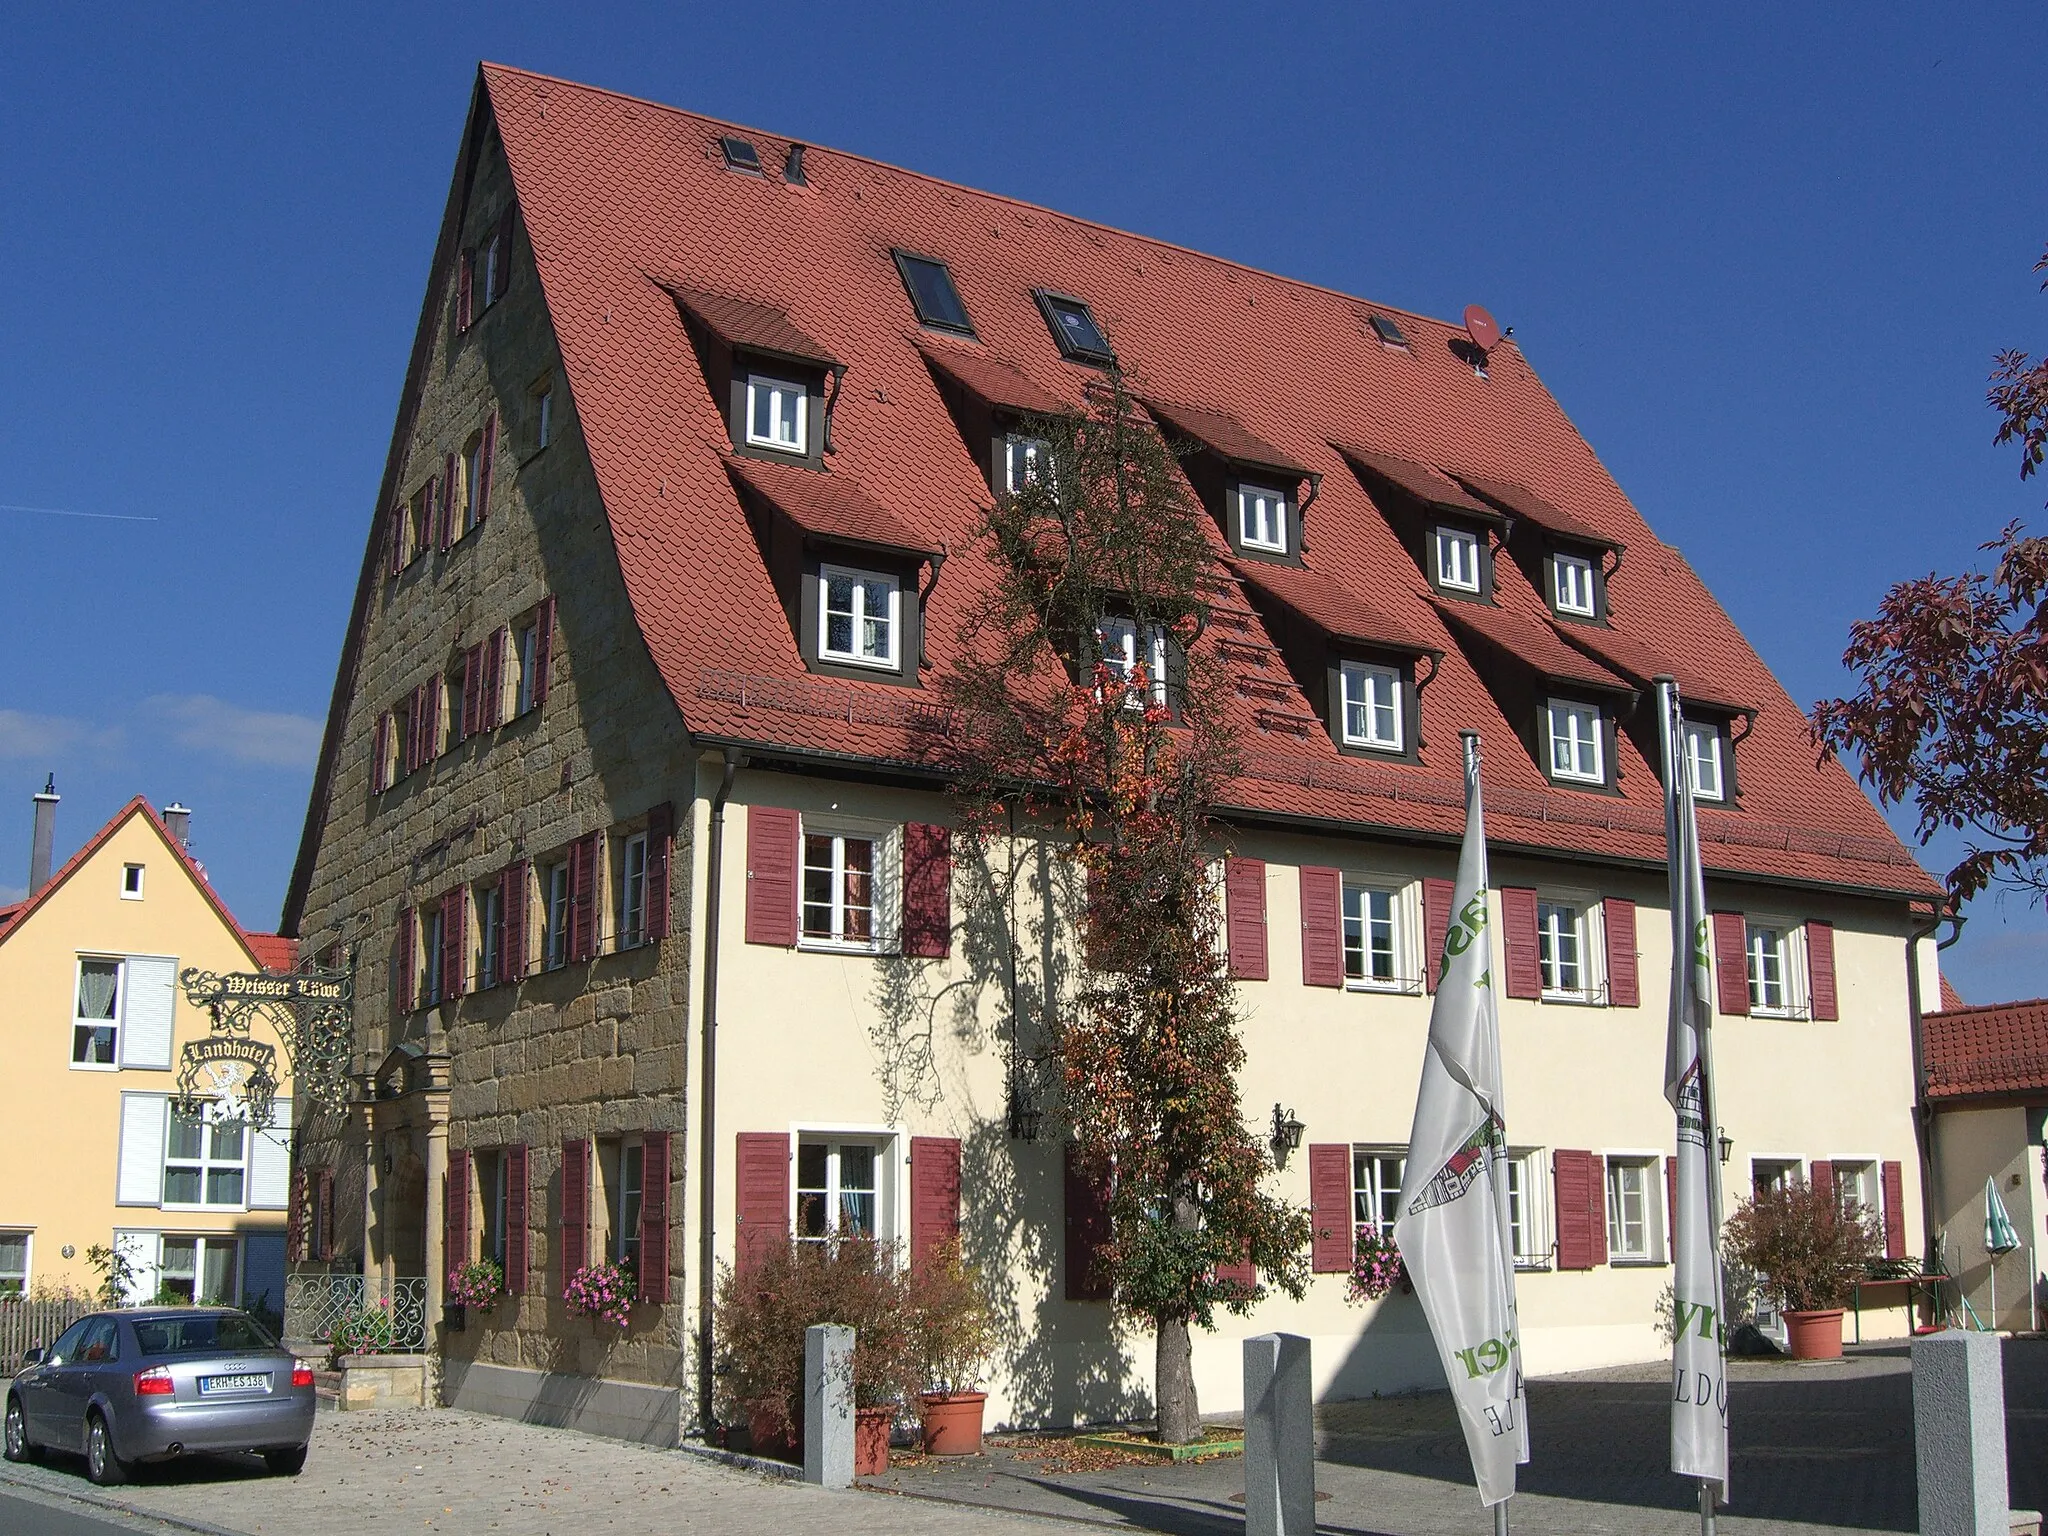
{"x":1959,"y":1434}
{"x":828,"y":1405}
{"x":1279,"y":1437}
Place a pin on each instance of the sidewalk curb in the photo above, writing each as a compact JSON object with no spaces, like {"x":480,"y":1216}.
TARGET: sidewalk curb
{"x":741,"y":1461}
{"x":9,"y":1478}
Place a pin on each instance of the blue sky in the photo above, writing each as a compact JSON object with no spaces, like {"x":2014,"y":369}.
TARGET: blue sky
{"x":1764,"y":264}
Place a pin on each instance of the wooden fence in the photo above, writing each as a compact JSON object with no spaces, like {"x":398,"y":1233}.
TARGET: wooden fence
{"x":26,"y":1322}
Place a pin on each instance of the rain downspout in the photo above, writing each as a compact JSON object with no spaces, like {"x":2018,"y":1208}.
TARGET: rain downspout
{"x":1923,"y":1119}
{"x":707,"y":1155}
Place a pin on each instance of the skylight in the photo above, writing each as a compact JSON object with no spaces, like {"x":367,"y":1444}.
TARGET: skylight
{"x":740,"y":155}
{"x":932,"y":293}
{"x":1074,"y":328}
{"x":1383,"y":326}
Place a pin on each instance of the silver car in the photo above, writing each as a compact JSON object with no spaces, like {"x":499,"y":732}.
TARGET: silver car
{"x":158,"y":1383}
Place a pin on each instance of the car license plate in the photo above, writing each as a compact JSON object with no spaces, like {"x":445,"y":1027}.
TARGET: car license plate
{"x":255,"y":1382}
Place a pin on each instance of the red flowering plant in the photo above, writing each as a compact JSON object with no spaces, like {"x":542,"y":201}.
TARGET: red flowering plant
{"x":1376,"y":1266}
{"x":1089,"y":700}
{"x":477,"y":1284}
{"x":604,"y":1291}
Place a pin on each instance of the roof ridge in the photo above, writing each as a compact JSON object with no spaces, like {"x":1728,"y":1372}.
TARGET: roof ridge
{"x":1976,"y":1008}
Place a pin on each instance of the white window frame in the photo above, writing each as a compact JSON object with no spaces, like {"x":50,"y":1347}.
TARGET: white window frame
{"x":1123,"y":658}
{"x":1697,"y":763}
{"x":780,"y":389}
{"x":891,"y":1174}
{"x":113,"y":1025}
{"x":893,"y":619}
{"x":622,"y":1186}
{"x":1262,"y":518}
{"x":1651,"y":1165}
{"x":1791,"y":957}
{"x":884,"y":893}
{"x":488,"y":902}
{"x":1787,"y":1168}
{"x":472,"y":486}
{"x":1035,"y":454}
{"x":1526,"y":1177}
{"x":1381,"y":1199}
{"x":488,"y":1166}
{"x":1591,"y":937}
{"x":1870,"y":1179}
{"x":131,"y":881}
{"x":1370,"y":677}
{"x":1583,"y":599}
{"x":555,"y":898}
{"x":1403,"y":914}
{"x":200,"y":1241}
{"x":526,"y":643}
{"x":1451,"y":572}
{"x":212,"y":1113}
{"x":21,"y":1280}
{"x":633,"y":891}
{"x":1573,"y":713}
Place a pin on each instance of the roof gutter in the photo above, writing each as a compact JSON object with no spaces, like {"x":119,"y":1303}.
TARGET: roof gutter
{"x":707,"y":1156}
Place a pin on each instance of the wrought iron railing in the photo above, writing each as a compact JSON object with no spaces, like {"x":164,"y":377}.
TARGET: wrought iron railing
{"x":315,"y":1305}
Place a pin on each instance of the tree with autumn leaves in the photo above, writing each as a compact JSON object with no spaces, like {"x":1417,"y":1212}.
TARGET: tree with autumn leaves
{"x":1087,"y":701}
{"x":1953,"y":708}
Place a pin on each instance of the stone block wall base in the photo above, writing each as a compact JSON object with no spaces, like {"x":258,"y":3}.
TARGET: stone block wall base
{"x":382,"y":1381}
{"x":618,"y":1410}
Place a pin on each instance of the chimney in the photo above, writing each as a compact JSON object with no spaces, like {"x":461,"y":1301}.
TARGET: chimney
{"x":45,"y":835}
{"x":178,"y":822}
{"x":793,"y":167}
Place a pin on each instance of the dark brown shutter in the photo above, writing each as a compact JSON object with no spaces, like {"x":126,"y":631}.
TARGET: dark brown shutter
{"x":543,"y":649}
{"x":761,"y":1179}
{"x":654,"y":1175}
{"x":457,"y":1212}
{"x":1572,"y":1175}
{"x":575,"y":1208}
{"x":472,"y":690}
{"x":406,"y":961}
{"x":934,"y":1194}
{"x":394,"y":558}
{"x":1332,"y":1246}
{"x":1244,"y":917}
{"x":380,"y":750}
{"x":927,"y":891}
{"x":582,"y":900}
{"x":1624,"y":981}
{"x":1894,"y":1176}
{"x":464,"y":286}
{"x":487,"y":452}
{"x":504,"y":272}
{"x":1823,"y":1178}
{"x":1518,"y":938}
{"x":1596,"y":1205}
{"x":1087,"y":1229}
{"x":323,"y":1213}
{"x":1322,"y":928}
{"x":1731,"y":961}
{"x":771,"y":875}
{"x":1437,"y":896}
{"x":661,"y":835}
{"x":517,"y":1215}
{"x":295,"y":1218}
{"x":1820,"y":969}
{"x":512,"y":948}
{"x":455,"y":942}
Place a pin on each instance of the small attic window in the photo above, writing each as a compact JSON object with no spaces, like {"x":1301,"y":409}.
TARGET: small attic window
{"x":740,"y":155}
{"x":932,"y":294}
{"x":1074,"y":328}
{"x":1383,"y":326}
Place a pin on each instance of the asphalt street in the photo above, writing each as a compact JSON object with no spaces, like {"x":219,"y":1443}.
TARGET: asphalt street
{"x":37,"y":1516}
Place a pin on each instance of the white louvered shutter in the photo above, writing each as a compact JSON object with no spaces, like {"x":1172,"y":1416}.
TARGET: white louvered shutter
{"x":143,"y":1124}
{"x":147,"y":1011}
{"x":270,"y":1163}
{"x":140,"y":1250}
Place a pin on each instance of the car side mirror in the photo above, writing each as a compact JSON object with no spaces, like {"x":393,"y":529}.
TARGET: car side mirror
{"x":31,"y":1357}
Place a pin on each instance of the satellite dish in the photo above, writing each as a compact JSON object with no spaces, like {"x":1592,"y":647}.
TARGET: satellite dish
{"x":1481,"y":327}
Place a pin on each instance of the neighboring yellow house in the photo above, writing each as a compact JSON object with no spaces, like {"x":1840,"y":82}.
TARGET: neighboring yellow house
{"x":93,"y":1025}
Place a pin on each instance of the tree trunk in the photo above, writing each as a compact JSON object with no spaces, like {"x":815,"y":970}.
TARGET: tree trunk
{"x":1180,"y":1417}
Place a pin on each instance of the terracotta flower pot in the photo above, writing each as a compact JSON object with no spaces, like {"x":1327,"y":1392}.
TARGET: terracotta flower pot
{"x":951,"y":1422}
{"x":1814,"y":1335}
{"x":769,"y":1440}
{"x":871,"y":1440}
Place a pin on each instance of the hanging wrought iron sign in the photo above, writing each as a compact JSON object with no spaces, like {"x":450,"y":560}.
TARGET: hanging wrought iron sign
{"x":311,"y":1011}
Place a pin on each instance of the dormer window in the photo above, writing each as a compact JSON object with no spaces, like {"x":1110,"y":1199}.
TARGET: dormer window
{"x":1026,"y":461}
{"x":932,"y":294}
{"x":1372,"y":707}
{"x":859,"y":617}
{"x":1126,"y":647}
{"x":1262,"y":518}
{"x":778,"y":414}
{"x":1577,"y":737}
{"x":1704,"y":761}
{"x":1571,"y":586}
{"x":1455,"y":555}
{"x":1073,"y":327}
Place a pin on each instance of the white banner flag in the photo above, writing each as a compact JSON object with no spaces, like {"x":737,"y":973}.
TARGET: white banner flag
{"x":1699,"y":1351}
{"x":1452,"y":1229}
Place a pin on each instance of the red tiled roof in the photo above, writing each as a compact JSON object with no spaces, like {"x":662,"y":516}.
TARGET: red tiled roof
{"x":1321,"y":601}
{"x":761,"y":327}
{"x":1534,"y":643}
{"x":1523,"y":502}
{"x":1998,"y":1049}
{"x":1426,"y":484}
{"x":612,"y":190}
{"x":1951,"y":999}
{"x":1643,"y":663}
{"x":274,"y":952}
{"x":994,"y":381}
{"x":1224,"y":436}
{"x":829,"y":505}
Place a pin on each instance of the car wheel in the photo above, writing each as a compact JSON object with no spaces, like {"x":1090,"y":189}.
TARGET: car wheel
{"x":101,"y":1464}
{"x":286,"y":1463}
{"x":18,"y":1447}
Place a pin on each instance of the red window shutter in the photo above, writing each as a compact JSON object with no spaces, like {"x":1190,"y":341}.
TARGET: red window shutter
{"x":456,"y":1213}
{"x":927,"y":891}
{"x":492,"y":713}
{"x":1332,"y":1245}
{"x":1731,"y":961}
{"x":1242,"y":1276}
{"x":472,"y":690}
{"x":1087,"y":1229}
{"x":1894,"y":1176}
{"x":295,"y":1218}
{"x":1437,"y":896}
{"x":455,"y":943}
{"x":582,"y":900}
{"x":1518,"y":938}
{"x":380,"y":754}
{"x":406,"y":962}
{"x":1244,"y":917}
{"x":394,"y":538}
{"x":1571,"y":1173}
{"x":1823,"y":1178}
{"x":543,"y":649}
{"x":661,"y":836}
{"x":1322,"y":929}
{"x":513,"y":948}
{"x":1624,"y":984}
{"x":323,"y":1210}
{"x":771,"y":875}
{"x":503,"y":275}
{"x":654,"y":1176}
{"x":517,"y":1199}
{"x":934,"y":1194}
{"x":575,"y":1208}
{"x":761,"y":1176}
{"x":464,"y":285}
{"x":1596,"y":1213}
{"x":1820,"y":969}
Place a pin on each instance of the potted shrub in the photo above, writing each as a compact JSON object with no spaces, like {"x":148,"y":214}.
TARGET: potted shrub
{"x":952,"y":1336}
{"x":1810,"y":1252}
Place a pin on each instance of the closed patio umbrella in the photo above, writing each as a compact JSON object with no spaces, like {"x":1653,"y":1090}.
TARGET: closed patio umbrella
{"x":2000,"y":1238}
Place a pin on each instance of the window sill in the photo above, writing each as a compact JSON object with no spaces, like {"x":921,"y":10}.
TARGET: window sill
{"x":1532,"y":1266}
{"x":1379,"y":748}
{"x":1399,"y":987}
{"x":865,"y":663}
{"x":840,"y":947}
{"x":95,"y":1066}
{"x":1636,"y":1263}
{"x":1795,"y":1015}
{"x":785,"y":450}
{"x":201,"y":1210}
{"x":1574,"y":999}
